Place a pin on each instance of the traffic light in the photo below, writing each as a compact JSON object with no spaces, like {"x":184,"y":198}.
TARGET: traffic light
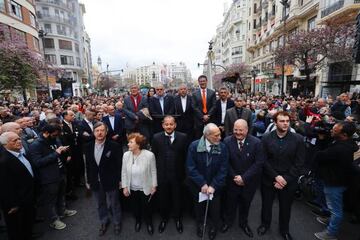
{"x":356,"y":47}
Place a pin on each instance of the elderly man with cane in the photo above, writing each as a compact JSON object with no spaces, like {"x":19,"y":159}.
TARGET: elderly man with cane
{"x":206,"y":166}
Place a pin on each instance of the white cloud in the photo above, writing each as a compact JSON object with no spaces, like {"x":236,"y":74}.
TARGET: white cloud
{"x":139,"y":32}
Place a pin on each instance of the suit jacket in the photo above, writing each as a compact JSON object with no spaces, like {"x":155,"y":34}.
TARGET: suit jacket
{"x":130,"y":113}
{"x":247,"y":163}
{"x":16,"y":183}
{"x":160,"y":144}
{"x":45,"y":160}
{"x":70,"y":138}
{"x":198,"y":105}
{"x":108,"y":172}
{"x":231,"y":116}
{"x":118,"y":128}
{"x":185,"y":120}
{"x":84,"y":127}
{"x":157,"y":113}
{"x":217,"y":116}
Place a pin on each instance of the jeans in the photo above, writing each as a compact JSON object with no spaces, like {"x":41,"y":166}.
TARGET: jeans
{"x":108,"y":204}
{"x":334,"y":200}
{"x":320,"y":196}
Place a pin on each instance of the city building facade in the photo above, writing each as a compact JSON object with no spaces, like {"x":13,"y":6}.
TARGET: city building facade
{"x":66,"y":45}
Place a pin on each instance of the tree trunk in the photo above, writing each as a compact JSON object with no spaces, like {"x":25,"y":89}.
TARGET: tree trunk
{"x":25,"y":97}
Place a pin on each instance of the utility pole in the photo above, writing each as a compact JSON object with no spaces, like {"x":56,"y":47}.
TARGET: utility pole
{"x":286,"y":5}
{"x":210,"y":54}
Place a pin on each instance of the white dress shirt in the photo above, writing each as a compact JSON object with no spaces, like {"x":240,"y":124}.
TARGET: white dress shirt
{"x":91,"y":125}
{"x":183,"y":103}
{"x":171,"y":136}
{"x":112,"y":121}
{"x":223,"y":110}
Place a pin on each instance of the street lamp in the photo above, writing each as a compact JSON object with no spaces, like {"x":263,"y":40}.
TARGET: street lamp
{"x":286,"y":5}
{"x":254,"y":72}
{"x":210,"y":56}
{"x":42,"y":35}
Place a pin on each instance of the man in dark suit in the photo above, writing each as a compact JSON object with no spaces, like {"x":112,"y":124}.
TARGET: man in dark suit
{"x":86,"y":127}
{"x":235,"y":113}
{"x":170,"y":148}
{"x":74,"y":163}
{"x":48,"y":156}
{"x":204,"y":106}
{"x":17,"y":184}
{"x":160,"y":105}
{"x":103,"y":176}
{"x":206,"y":166}
{"x":222,"y":105}
{"x":135,"y":119}
{"x":114,"y":126}
{"x":184,"y":112}
{"x":284,"y":161}
{"x":246,"y":158}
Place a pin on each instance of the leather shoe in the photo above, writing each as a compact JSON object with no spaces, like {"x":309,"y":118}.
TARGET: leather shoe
{"x":262,"y":229}
{"x":117,"y":229}
{"x":103,"y":229}
{"x":137,"y":226}
{"x":247,"y":230}
{"x":150,"y":229}
{"x":179,"y":226}
{"x":212,"y":233}
{"x":199,"y":231}
{"x":162,"y":226}
{"x":286,"y":236}
{"x":224,"y":228}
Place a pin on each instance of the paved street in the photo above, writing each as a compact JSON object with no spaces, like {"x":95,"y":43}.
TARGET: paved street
{"x":84,"y":226}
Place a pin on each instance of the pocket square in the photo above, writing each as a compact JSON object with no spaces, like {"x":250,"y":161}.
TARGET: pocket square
{"x":108,"y":154}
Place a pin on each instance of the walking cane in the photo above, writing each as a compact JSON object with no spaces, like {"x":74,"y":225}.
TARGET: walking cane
{"x":205,"y":218}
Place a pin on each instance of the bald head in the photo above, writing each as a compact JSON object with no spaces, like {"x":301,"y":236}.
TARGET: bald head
{"x":240,"y":129}
{"x":11,"y":127}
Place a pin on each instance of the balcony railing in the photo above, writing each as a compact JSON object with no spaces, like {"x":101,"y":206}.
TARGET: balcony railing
{"x":332,"y":8}
{"x":271,"y":15}
{"x":55,"y":2}
{"x":264,"y":21}
{"x":54,"y":19}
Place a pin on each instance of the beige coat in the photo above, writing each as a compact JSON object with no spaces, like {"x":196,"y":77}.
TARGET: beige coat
{"x":148,"y":166}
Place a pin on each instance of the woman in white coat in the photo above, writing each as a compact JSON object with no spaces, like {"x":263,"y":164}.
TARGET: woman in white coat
{"x":138,"y":178}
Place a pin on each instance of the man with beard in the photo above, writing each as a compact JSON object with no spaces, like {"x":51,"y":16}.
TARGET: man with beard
{"x":48,"y":156}
{"x":284,"y":160}
{"x":170,"y":148}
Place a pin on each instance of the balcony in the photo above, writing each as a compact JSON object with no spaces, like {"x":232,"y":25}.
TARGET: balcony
{"x":265,"y":4}
{"x":57,"y":19}
{"x":271,"y":15}
{"x":57,"y":3}
{"x":264,"y":21}
{"x":334,"y":7}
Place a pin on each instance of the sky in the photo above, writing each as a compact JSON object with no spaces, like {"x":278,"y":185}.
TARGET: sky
{"x":139,"y":32}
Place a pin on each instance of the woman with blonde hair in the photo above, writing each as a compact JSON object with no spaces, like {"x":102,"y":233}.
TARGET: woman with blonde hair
{"x":138,"y":177}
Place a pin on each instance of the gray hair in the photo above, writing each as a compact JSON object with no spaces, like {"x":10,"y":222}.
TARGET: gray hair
{"x":208,"y":128}
{"x":4,"y":138}
{"x":98,"y":124}
{"x":9,"y":127}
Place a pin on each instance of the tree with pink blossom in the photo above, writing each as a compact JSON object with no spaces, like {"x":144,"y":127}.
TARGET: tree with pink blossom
{"x":20,"y":66}
{"x":309,"y":50}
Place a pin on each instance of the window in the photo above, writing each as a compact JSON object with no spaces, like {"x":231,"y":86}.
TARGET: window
{"x":236,"y":50}
{"x":15,"y":10}
{"x":47,"y":28}
{"x":78,"y":63}
{"x":77,"y":47}
{"x":19,"y":35}
{"x":311,"y":23}
{"x":49,"y":43}
{"x":61,"y":30}
{"x":50,"y":58}
{"x":66,"y":60}
{"x":45,"y":11}
{"x":2,"y":5}
{"x":67,"y":45}
{"x":237,"y":60}
{"x":32,"y":20}
{"x":36,"y":44}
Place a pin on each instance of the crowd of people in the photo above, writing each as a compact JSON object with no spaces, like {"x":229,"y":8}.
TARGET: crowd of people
{"x":156,"y":150}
